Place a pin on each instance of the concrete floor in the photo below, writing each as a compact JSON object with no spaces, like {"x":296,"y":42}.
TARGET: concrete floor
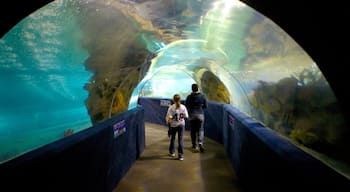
{"x":155,"y":171}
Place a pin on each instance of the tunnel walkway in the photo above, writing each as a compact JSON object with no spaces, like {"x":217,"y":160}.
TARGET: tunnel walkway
{"x":156,"y":171}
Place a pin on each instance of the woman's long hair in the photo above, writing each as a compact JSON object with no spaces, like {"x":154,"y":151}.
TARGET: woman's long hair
{"x":177,"y":100}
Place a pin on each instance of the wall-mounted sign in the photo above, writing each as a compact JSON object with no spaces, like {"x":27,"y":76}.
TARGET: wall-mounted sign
{"x":119,"y":128}
{"x":231,"y":120}
{"x":165,"y":103}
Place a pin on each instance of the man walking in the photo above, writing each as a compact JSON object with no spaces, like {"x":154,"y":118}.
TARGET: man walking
{"x":195,"y":103}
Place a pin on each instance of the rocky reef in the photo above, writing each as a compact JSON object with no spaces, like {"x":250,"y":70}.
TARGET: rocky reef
{"x":304,"y":108}
{"x":117,"y":57}
{"x":118,"y":36}
{"x":214,"y":89}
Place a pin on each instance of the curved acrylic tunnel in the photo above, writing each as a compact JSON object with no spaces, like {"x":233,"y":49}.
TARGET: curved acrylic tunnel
{"x":72,"y":64}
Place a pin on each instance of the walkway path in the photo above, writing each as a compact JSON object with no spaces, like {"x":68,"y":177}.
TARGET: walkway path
{"x":155,"y":171}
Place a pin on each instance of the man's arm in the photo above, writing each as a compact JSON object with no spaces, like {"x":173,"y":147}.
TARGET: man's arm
{"x":205,"y":105}
{"x":187,"y":102}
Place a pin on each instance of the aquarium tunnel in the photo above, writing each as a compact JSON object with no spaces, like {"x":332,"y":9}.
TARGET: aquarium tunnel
{"x":72,"y":65}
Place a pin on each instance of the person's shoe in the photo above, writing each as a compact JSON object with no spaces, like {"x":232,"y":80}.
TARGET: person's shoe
{"x":181,"y":158}
{"x":194,"y":148}
{"x":172,"y":154}
{"x":201,"y":148}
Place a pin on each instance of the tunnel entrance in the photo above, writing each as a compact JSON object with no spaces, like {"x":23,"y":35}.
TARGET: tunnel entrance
{"x":72,"y":64}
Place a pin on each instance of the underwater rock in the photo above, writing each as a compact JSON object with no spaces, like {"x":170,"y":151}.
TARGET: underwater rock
{"x":304,"y":109}
{"x":214,"y":89}
{"x":118,"y":42}
{"x":116,"y":55}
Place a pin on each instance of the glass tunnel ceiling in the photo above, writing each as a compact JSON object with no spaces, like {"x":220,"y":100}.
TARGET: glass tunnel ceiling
{"x":72,"y":64}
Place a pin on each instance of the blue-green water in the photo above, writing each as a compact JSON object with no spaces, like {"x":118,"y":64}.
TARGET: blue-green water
{"x":42,"y":78}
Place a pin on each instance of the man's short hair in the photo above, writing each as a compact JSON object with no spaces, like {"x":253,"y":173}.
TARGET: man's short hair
{"x":194,"y":87}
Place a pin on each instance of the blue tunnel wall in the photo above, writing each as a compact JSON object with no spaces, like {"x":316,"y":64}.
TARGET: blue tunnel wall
{"x":261,"y":158}
{"x":97,"y":158}
{"x":92,"y":160}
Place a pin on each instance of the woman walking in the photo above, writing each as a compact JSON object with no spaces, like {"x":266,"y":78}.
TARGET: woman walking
{"x":176,"y":115}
